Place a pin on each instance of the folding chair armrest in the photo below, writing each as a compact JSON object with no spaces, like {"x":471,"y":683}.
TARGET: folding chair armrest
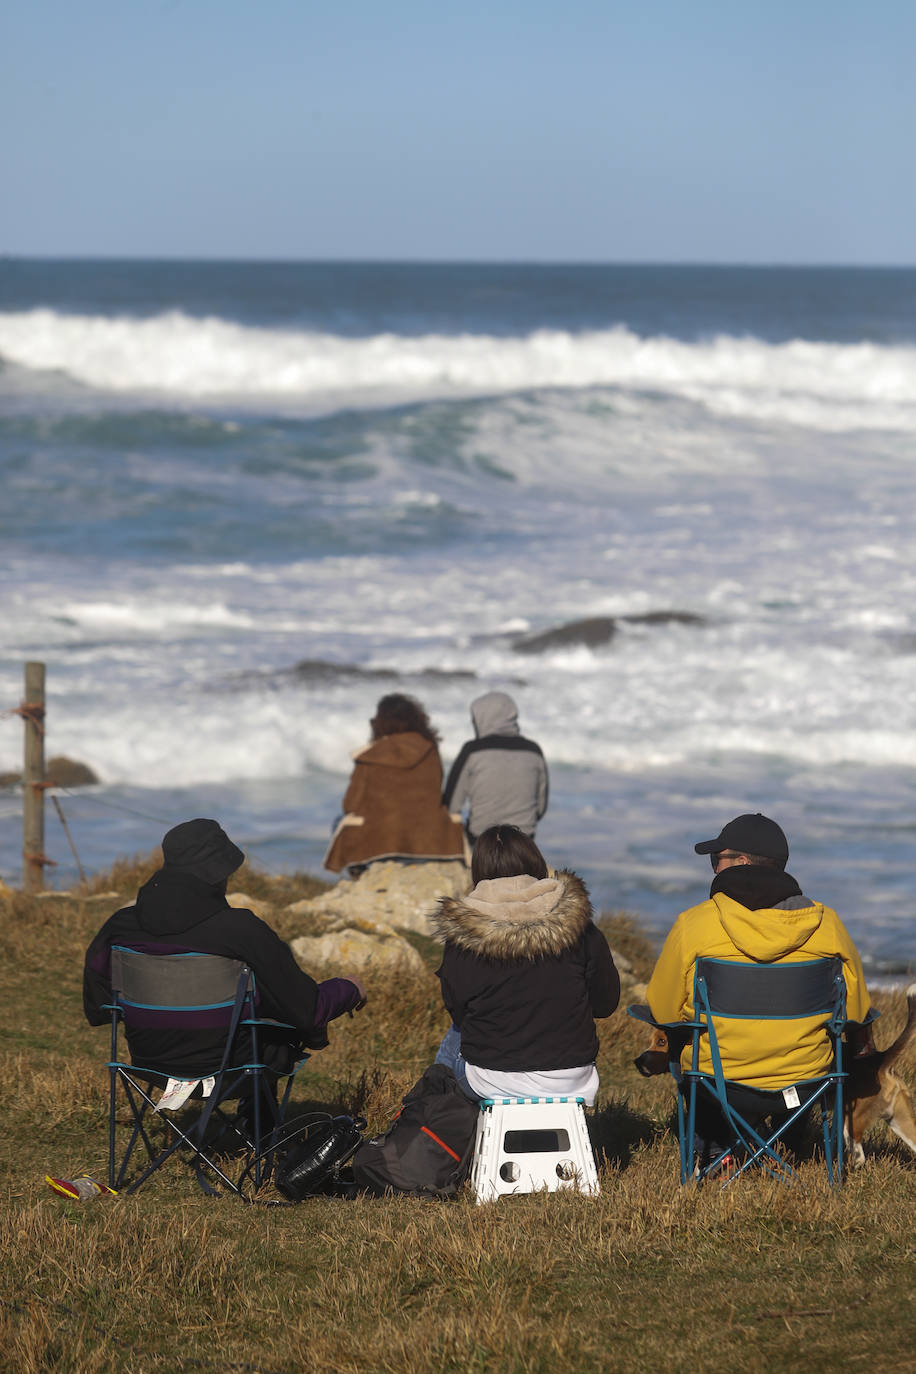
{"x":640,"y":1012}
{"x":871,"y":1015}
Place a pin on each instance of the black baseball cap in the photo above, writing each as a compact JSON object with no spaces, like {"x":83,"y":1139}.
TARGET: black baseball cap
{"x":202,"y":848}
{"x":749,"y":834}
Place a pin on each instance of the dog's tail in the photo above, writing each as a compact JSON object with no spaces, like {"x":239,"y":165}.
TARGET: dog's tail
{"x":894,"y":1051}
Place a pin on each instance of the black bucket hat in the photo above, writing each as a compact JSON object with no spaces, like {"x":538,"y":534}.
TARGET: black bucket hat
{"x":203,"y":849}
{"x":749,"y":834}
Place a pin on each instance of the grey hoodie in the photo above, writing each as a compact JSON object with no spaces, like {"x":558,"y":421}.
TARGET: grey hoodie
{"x":501,"y":775}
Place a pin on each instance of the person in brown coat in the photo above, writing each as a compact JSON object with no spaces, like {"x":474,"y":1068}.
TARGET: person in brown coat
{"x":393,"y":803}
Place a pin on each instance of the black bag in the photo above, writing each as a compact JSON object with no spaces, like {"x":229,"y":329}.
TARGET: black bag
{"x":312,"y":1167}
{"x":427,"y":1149}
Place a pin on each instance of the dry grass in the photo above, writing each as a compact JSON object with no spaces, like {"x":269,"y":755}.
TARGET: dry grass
{"x":647,"y":1275}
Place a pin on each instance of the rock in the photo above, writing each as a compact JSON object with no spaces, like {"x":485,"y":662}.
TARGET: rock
{"x":388,"y":894}
{"x":64,"y":772}
{"x":598,"y":630}
{"x":59,"y":772}
{"x":665,"y":618}
{"x":321,"y":670}
{"x":241,"y":899}
{"x":593,"y":632}
{"x":310,"y":672}
{"x":357,"y":951}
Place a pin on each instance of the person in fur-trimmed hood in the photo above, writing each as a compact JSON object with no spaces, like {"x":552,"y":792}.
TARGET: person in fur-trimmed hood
{"x":524,"y":974}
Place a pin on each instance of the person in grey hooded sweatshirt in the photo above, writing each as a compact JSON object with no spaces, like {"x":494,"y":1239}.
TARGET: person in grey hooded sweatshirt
{"x":500,"y":775}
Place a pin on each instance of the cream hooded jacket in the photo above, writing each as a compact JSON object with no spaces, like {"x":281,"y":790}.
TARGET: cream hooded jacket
{"x":755,"y":1052}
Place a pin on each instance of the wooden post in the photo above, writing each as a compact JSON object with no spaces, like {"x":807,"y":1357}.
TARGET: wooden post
{"x":33,"y":777}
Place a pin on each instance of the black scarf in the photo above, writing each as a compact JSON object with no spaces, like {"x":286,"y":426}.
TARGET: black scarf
{"x":755,"y":887}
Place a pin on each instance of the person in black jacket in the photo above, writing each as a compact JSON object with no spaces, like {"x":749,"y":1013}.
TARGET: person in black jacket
{"x":183,"y":908}
{"x":524,"y":973}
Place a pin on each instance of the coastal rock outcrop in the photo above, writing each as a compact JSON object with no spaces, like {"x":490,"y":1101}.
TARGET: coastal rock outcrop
{"x":597,"y":630}
{"x":389,"y":895}
{"x":592,"y":632}
{"x":311,"y":672}
{"x":358,"y":951}
{"x":59,"y":772}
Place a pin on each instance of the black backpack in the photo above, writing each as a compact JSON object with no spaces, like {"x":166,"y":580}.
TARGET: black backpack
{"x":426,"y":1151}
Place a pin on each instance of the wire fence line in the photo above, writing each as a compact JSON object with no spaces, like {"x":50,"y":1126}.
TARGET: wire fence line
{"x":34,"y":714}
{"x":86,"y":798}
{"x":83,"y":797}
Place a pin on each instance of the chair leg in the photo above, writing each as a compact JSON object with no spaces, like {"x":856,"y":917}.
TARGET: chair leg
{"x":112,"y":1107}
{"x":140,"y":1102}
{"x":200,"y":1160}
{"x":686,"y":1131}
{"x":139,"y":1106}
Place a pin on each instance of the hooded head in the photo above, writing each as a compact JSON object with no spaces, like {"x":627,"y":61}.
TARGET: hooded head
{"x":495,"y":713}
{"x":202,"y":849}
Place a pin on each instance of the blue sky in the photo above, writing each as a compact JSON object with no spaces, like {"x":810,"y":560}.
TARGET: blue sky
{"x":577,"y":130}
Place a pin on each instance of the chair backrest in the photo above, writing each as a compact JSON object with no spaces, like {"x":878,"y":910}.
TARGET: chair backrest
{"x":177,"y":989}
{"x":765,"y":992}
{"x":731,"y":997}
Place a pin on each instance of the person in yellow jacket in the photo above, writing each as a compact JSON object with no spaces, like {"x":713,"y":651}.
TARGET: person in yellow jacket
{"x":756,"y":912}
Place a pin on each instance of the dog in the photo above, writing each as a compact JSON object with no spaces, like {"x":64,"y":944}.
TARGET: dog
{"x":874,"y":1090}
{"x":656,"y":1056}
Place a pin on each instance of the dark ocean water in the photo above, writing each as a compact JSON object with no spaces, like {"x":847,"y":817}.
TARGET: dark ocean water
{"x":830,"y":304}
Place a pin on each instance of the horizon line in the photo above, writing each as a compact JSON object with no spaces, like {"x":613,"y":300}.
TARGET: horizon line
{"x":352,"y":261}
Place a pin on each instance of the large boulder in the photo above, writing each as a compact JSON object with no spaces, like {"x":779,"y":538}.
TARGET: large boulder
{"x":388,"y":895}
{"x":597,"y":630}
{"x":592,"y":632}
{"x":59,"y":772}
{"x":342,"y":952}
{"x":63,"y":772}
{"x":255,"y":904}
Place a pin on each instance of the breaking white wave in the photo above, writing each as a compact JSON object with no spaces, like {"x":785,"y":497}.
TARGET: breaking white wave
{"x":827,"y":386}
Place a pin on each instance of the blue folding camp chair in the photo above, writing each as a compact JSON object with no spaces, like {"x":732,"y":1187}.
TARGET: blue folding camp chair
{"x":191,"y":991}
{"x":727,"y":991}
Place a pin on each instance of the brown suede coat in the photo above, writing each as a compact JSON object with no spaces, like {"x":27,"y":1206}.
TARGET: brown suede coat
{"x":394,"y":805}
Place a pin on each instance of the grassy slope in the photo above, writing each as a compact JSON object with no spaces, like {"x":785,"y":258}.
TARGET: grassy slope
{"x":647,"y":1276}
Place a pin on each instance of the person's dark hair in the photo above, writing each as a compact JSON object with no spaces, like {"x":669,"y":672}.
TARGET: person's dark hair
{"x":397,"y":714}
{"x":504,"y":851}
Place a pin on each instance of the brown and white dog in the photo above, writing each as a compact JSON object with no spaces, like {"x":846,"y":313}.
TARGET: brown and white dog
{"x":874,"y":1090}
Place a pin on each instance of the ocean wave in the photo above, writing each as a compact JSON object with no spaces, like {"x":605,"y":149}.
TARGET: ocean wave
{"x":144,"y":616}
{"x":821,"y":385}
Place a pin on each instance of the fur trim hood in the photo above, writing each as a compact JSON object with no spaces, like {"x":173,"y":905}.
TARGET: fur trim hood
{"x":517,"y":918}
